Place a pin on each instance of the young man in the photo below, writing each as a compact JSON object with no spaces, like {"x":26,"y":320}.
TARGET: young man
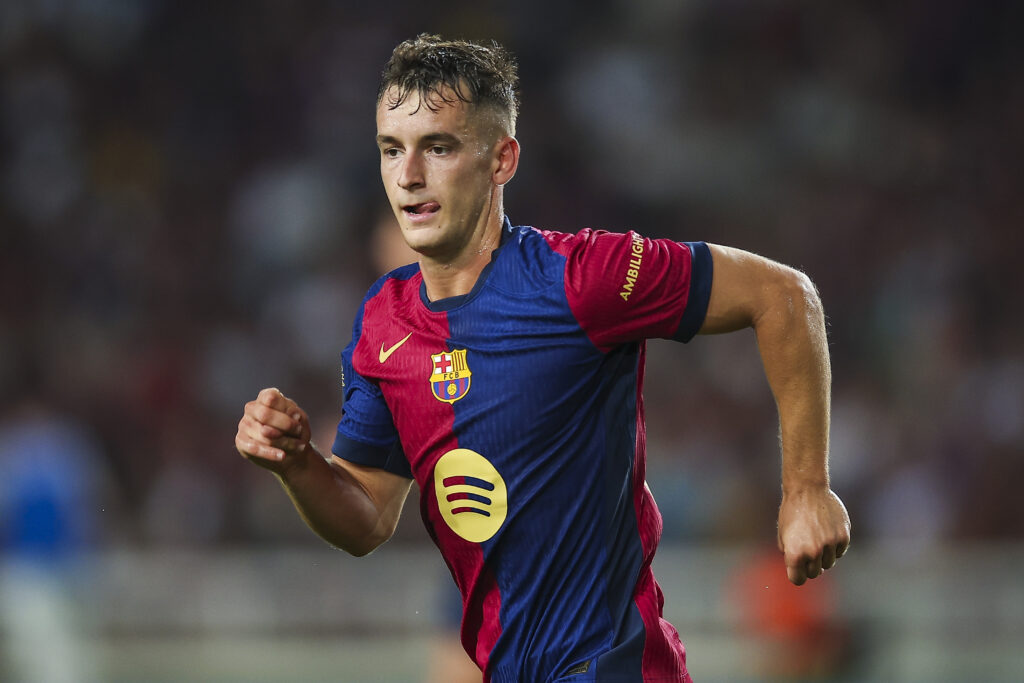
{"x":503,"y":373}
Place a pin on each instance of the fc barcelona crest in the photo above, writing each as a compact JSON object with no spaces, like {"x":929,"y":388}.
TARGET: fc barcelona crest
{"x":449,"y":375}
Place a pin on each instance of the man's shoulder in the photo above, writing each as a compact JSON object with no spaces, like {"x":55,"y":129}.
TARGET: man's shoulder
{"x":551,"y":248}
{"x":530,"y":235}
{"x":542,"y":257}
{"x":526,"y":262}
{"x":565,"y":242}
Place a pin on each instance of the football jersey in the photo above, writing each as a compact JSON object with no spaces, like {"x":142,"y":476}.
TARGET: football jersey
{"x":517,"y":409}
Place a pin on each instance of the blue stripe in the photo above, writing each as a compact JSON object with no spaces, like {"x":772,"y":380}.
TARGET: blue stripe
{"x":479,"y":483}
{"x":701,"y":271}
{"x":536,"y":372}
{"x":472,"y":496}
{"x":623,"y":657}
{"x":477,"y":511}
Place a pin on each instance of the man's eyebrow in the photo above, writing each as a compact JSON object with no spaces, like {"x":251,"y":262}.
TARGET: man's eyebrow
{"x":434,"y":138}
{"x":428,"y":139}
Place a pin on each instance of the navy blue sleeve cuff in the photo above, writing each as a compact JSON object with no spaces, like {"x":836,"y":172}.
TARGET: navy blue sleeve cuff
{"x":701,"y":271}
{"x":390,"y":458}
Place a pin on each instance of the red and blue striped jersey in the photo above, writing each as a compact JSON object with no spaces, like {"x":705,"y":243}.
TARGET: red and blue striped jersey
{"x":518,"y":410}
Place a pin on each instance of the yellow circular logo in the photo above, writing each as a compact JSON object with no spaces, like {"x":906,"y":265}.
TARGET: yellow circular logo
{"x":470,"y":494}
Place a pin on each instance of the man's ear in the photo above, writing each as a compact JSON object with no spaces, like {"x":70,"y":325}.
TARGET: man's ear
{"x":507,"y":158}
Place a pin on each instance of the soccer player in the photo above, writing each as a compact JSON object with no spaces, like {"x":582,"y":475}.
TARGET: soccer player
{"x":503,"y":373}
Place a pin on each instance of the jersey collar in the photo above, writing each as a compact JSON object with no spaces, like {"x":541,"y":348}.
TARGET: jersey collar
{"x":453,"y":302}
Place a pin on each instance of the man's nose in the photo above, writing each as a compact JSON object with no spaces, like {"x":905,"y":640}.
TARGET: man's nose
{"x":411,"y":175}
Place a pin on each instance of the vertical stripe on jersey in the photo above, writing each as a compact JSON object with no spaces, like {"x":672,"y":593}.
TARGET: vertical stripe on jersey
{"x":625,"y":547}
{"x":596,"y":302}
{"x":432,"y":335}
{"x":539,"y":395}
{"x":664,"y":656}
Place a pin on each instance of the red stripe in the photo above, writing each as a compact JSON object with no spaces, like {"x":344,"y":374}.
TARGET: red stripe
{"x":489,"y":627}
{"x":456,"y":511}
{"x":417,"y":417}
{"x":664,"y":654}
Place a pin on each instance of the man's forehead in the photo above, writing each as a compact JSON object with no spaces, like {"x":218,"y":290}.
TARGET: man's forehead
{"x":416,"y":110}
{"x":434,"y":101}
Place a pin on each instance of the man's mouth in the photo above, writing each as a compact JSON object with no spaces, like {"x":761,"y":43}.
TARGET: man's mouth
{"x":422,"y":209}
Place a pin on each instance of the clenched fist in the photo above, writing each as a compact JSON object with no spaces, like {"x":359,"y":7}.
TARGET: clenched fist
{"x":272,"y":430}
{"x":814,"y":532}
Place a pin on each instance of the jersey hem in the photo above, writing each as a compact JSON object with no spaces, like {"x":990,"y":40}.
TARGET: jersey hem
{"x":701,"y":273}
{"x":389,"y":458}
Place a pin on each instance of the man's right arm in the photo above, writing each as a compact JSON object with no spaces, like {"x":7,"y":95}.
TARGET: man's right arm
{"x":352,"y":507}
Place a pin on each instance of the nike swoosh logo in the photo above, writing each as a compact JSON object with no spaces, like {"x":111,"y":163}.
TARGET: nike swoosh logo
{"x":384,"y":355}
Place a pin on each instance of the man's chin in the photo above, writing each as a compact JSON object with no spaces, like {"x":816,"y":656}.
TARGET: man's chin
{"x":422,"y":242}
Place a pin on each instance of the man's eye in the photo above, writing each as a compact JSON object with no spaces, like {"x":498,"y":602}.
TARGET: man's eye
{"x":438,"y":149}
{"x":391,"y":152}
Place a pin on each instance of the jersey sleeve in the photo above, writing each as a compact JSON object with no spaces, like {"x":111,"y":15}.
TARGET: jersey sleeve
{"x":366,"y":433}
{"x":625,"y":287}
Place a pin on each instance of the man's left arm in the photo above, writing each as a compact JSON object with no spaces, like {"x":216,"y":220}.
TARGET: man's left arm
{"x":783,"y":307}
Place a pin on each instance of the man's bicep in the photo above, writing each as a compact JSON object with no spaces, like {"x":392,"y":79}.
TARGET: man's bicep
{"x":742,"y":288}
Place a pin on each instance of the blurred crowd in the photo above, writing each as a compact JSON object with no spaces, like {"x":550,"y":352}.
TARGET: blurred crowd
{"x":191,"y":210}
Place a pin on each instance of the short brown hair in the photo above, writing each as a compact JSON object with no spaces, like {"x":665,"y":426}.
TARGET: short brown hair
{"x":433,"y":67}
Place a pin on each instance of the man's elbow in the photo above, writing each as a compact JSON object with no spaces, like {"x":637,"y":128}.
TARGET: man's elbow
{"x":792,"y":294}
{"x":364,"y":545}
{"x":806,"y":294}
{"x":360,"y":550}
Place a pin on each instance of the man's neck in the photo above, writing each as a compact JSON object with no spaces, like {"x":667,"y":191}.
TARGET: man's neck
{"x":454,"y":277}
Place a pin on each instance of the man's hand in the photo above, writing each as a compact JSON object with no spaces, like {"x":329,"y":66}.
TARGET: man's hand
{"x":272,"y":428}
{"x":814,"y":532}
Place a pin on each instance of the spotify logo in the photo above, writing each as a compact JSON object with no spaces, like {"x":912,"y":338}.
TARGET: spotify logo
{"x":470,"y":494}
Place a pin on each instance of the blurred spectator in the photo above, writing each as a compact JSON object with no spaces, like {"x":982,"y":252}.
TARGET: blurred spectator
{"x":53,"y":486}
{"x":798,"y":631}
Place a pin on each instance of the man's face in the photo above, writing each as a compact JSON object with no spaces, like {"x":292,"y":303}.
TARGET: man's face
{"x":437,"y":168}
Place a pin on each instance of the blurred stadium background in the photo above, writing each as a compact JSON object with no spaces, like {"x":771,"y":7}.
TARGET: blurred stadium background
{"x":188,"y":205}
